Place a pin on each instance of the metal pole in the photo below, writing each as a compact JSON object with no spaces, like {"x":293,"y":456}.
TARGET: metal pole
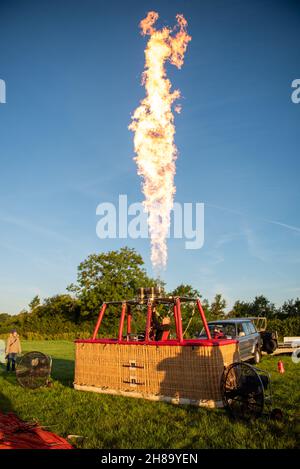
{"x":176,"y":320}
{"x":122,"y":322}
{"x":202,"y":314}
{"x":148,"y":322}
{"x":102,"y":311}
{"x":129,"y":317}
{"x":179,"y":318}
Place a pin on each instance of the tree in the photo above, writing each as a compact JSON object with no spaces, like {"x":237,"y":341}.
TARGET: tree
{"x":261,"y":306}
{"x":217,"y":308}
{"x":290,"y":308}
{"x":185,"y":290}
{"x":4,"y":317}
{"x":57,"y":314}
{"x":241,"y":309}
{"x":62,"y":307}
{"x":35,"y":302}
{"x":115,"y":275}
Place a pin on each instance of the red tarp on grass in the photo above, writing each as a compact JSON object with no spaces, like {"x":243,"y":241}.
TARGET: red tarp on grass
{"x":16,"y":434}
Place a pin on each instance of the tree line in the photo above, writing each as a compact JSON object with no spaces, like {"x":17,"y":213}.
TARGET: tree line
{"x":117,"y":275}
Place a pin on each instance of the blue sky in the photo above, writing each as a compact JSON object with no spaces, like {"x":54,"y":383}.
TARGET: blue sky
{"x":72,"y":71}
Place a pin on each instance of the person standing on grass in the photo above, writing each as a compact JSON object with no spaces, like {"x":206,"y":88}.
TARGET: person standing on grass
{"x":13,"y":347}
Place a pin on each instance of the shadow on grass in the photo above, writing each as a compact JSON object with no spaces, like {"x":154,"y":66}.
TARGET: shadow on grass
{"x":5,"y":403}
{"x":63,"y":371}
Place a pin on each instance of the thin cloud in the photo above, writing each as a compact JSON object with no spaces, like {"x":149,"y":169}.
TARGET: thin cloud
{"x":32,"y":227}
{"x":272,"y":222}
{"x":254,"y":246}
{"x":227,"y":238}
{"x":284,"y":225}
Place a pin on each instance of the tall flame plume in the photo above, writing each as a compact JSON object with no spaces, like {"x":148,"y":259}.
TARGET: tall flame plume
{"x":153,"y":127}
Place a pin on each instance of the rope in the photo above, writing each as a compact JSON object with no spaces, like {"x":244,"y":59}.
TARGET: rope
{"x":190,"y":320}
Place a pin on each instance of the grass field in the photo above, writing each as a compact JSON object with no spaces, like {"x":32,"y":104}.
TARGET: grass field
{"x":119,"y":422}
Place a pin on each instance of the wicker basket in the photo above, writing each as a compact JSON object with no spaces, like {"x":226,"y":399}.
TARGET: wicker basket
{"x":178,"y":373}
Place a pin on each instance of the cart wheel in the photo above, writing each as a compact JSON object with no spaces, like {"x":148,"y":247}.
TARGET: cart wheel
{"x":242,"y":391}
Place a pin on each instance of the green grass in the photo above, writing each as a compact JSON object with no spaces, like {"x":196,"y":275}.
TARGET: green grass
{"x":118,"y":422}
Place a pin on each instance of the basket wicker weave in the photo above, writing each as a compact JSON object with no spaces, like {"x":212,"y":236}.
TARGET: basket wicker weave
{"x":187,"y":373}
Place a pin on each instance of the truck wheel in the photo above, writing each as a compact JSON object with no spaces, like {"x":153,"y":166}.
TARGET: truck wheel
{"x":271,"y":346}
{"x":257,"y":356}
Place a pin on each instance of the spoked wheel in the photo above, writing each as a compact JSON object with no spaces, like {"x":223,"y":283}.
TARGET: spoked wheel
{"x":33,"y":370}
{"x":242,"y":391}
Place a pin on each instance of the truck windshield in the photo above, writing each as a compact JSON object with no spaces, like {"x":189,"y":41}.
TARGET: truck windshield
{"x":219,"y":330}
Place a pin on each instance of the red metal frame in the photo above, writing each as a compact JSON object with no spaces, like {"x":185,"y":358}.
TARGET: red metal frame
{"x":177,"y":318}
{"x":148,"y":322}
{"x":202,"y":314}
{"x":179,"y":321}
{"x":121,"y":326}
{"x":129,"y":317}
{"x":101,"y":314}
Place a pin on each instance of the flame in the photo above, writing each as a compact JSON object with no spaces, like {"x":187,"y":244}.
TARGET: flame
{"x":153,"y":127}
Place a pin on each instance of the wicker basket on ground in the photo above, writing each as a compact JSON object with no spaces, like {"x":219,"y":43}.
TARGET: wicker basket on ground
{"x":151,"y":364}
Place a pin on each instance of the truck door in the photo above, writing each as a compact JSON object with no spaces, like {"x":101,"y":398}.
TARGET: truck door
{"x":243,"y":338}
{"x":249,"y":340}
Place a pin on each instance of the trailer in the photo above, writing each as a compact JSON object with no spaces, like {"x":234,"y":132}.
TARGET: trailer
{"x":289,"y":345}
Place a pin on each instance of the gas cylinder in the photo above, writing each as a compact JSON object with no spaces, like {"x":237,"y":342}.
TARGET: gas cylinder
{"x":280,"y":367}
